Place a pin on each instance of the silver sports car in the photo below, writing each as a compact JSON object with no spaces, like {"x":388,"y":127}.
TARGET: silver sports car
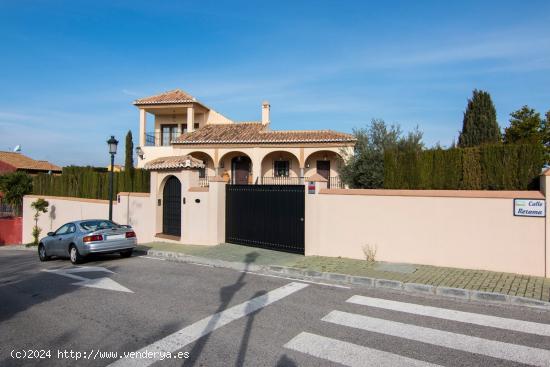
{"x":93,"y":236}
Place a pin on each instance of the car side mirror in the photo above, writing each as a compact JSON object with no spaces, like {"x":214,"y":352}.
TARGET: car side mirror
{"x":50,"y":234}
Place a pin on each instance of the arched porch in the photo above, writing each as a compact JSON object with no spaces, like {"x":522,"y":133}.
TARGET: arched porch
{"x":236,"y":167}
{"x":209,"y":169}
{"x":280,"y":168}
{"x":326,"y":163}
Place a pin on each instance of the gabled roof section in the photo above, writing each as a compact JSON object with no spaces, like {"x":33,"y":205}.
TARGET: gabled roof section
{"x":254,"y":132}
{"x":174,"y":162}
{"x":171,"y":97}
{"x":20,"y":161}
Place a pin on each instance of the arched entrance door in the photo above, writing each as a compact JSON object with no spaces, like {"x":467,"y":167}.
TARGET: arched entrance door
{"x":240,"y":170}
{"x":171,"y":210}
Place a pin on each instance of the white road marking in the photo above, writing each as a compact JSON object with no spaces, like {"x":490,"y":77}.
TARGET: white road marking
{"x":150,"y":257}
{"x":102,"y":283}
{"x":297,"y":280}
{"x":191,"y":333}
{"x":467,"y":317}
{"x":471,"y":344}
{"x":348,"y":354}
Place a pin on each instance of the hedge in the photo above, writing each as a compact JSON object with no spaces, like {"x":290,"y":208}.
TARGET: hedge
{"x":89,"y":182}
{"x":488,"y":167}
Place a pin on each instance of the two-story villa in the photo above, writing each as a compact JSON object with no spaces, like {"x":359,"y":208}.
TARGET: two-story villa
{"x":240,"y":152}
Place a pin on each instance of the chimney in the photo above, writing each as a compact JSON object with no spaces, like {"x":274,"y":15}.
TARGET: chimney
{"x":265,"y":112}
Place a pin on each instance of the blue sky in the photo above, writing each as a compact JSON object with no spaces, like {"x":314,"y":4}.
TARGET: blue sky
{"x":69,"y":70}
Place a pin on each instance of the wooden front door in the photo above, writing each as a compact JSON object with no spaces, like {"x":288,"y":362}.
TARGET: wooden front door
{"x":323,"y":168}
{"x":241,"y":170}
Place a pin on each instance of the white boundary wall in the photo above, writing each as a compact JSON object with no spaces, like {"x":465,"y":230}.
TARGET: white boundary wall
{"x":466,"y":229}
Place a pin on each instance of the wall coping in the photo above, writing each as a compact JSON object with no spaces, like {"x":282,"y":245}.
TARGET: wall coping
{"x":198,"y":189}
{"x":87,"y":200}
{"x":140,"y":194}
{"x":438,"y":193}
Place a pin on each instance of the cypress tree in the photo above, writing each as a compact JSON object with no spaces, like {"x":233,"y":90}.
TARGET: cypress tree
{"x":480,"y":122}
{"x":129,"y":161}
{"x":129,"y":164}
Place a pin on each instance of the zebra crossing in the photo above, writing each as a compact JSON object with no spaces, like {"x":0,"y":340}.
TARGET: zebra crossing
{"x":350,"y":354}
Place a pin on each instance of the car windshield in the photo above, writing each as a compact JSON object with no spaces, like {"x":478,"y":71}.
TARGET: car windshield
{"x":94,"y":225}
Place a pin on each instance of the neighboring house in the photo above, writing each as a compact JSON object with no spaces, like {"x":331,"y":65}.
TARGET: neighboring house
{"x":240,"y":152}
{"x":116,"y":168}
{"x":11,"y":162}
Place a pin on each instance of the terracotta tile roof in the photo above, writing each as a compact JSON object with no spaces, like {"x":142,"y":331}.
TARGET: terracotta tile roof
{"x":20,"y":161}
{"x":253,"y":132}
{"x":174,"y":162}
{"x":173,"y":96}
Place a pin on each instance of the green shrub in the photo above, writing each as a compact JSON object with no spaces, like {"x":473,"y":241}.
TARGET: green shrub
{"x":488,"y":167}
{"x":89,"y":182}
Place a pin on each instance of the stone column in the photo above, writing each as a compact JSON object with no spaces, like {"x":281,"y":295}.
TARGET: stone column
{"x":216,"y":210}
{"x":320,"y":182}
{"x":142,"y":127}
{"x":545,"y":189}
{"x":190,"y":119}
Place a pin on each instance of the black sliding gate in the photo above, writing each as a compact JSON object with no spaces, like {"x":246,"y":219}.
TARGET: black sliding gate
{"x":268,"y":216}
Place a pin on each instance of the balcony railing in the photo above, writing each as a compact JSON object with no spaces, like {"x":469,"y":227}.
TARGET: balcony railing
{"x":334,"y":182}
{"x":157,"y":138}
{"x":281,"y":180}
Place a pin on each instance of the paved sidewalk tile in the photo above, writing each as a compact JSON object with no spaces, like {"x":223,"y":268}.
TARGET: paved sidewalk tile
{"x":479,"y":280}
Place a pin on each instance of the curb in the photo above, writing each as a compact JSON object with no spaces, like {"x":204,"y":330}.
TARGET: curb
{"x":18,"y":247}
{"x":367,"y":282}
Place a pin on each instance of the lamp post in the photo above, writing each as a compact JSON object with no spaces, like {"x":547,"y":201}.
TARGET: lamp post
{"x":112,"y":151}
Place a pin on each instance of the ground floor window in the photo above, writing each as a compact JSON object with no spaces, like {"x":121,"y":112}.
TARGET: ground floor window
{"x":281,"y":168}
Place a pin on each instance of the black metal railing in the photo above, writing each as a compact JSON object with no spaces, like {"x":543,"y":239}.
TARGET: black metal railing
{"x":158,"y":138}
{"x":7,"y":210}
{"x":281,"y":180}
{"x":335,"y":182}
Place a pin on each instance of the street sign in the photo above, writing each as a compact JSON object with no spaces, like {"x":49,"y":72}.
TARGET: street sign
{"x":529,"y":208}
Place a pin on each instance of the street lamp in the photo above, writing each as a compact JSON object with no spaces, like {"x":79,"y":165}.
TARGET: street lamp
{"x":112,"y":151}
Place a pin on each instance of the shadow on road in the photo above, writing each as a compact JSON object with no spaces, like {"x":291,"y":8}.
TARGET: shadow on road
{"x":227,"y":293}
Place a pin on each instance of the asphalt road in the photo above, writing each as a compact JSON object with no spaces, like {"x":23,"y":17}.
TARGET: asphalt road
{"x":221,"y":317}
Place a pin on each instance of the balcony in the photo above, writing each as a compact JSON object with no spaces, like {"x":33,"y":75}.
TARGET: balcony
{"x":161,"y":139}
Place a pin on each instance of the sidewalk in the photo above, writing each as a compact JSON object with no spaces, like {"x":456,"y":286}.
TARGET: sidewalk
{"x":474,"y":280}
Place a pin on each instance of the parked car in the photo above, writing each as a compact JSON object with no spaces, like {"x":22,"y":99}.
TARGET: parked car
{"x":84,"y":237}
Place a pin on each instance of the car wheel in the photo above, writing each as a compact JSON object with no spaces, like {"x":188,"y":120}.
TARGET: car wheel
{"x":74,"y":255}
{"x":42,"y":253}
{"x":126,"y":253}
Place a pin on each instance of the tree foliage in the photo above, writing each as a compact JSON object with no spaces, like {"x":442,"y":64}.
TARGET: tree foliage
{"x":15,"y":186}
{"x":39,"y":206}
{"x":365,"y":167}
{"x":129,"y":158}
{"x":479,"y":125}
{"x":526,"y":126}
{"x":129,"y":170}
